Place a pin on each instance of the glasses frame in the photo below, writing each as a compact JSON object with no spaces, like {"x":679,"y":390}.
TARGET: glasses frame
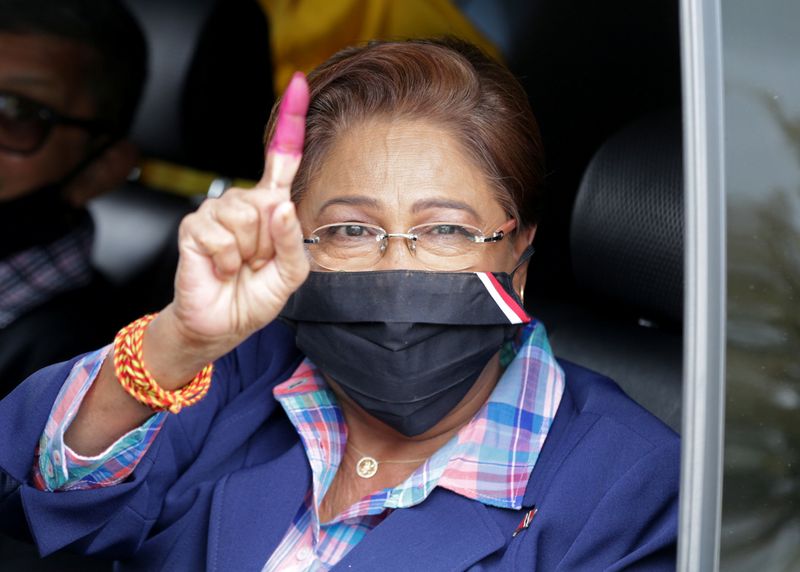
{"x":50,"y":118}
{"x":410,"y":237}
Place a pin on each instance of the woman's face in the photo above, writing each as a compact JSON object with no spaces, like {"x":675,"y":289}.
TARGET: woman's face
{"x":400,"y":174}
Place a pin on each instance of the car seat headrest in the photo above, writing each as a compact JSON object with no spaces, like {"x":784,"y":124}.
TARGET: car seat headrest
{"x":627,"y":225}
{"x":209,"y":92}
{"x":173,"y":30}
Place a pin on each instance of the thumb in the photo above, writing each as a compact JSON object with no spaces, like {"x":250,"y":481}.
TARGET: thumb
{"x":290,"y":257}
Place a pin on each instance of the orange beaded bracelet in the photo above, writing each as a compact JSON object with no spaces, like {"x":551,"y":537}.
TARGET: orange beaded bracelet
{"x":137,"y":381}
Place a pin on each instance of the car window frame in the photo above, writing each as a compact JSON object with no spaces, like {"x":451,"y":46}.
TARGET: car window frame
{"x":705,"y":287}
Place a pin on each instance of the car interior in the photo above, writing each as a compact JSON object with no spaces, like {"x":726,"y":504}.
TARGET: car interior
{"x":604,"y":82}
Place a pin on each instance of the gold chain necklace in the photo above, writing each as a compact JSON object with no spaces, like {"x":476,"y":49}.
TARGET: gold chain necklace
{"x":367,"y":466}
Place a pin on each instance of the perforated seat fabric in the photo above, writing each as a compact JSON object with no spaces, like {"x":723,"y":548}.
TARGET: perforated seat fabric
{"x":627,"y":255}
{"x":627,"y":224}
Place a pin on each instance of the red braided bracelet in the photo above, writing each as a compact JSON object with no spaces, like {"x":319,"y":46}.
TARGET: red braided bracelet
{"x":137,"y":381}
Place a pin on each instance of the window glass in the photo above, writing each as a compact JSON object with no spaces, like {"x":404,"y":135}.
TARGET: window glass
{"x":761,"y":489}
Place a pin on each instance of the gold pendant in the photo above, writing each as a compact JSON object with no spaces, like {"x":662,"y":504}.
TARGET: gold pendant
{"x":366,"y":467}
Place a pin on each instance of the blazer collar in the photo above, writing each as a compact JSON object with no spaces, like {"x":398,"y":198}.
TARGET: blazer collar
{"x":248,"y":521}
{"x":568,"y":428}
{"x":446,"y":532}
{"x":251,"y":510}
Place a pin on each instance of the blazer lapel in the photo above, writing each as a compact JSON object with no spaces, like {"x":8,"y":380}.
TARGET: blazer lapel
{"x":252,"y":509}
{"x":567,"y":430}
{"x":446,"y":532}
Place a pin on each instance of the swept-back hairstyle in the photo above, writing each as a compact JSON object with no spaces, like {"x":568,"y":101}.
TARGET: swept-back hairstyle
{"x":118,"y":69}
{"x":447,"y":82}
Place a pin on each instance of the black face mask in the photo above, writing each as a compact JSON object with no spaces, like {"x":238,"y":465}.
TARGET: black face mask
{"x":404,"y":345}
{"x":42,"y":215}
{"x":38,"y":217}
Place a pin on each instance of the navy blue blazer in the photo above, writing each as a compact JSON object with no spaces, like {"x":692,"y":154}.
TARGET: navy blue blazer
{"x":221,"y":483}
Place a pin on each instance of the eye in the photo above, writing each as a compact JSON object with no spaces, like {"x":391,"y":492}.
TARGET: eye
{"x":445,"y":229}
{"x":344,"y":230}
{"x":349,"y":232}
{"x":16,"y":109}
{"x":354,"y":230}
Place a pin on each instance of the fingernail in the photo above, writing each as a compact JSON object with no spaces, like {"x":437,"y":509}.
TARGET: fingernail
{"x":296,"y":98}
{"x":221,"y":274}
{"x":258,"y":264}
{"x":291,"y":125}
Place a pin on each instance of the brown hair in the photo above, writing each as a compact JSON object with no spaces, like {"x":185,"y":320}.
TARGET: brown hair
{"x":446,"y":81}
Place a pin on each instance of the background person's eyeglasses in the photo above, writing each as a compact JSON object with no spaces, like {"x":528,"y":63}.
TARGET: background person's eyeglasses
{"x":25,"y":124}
{"x":353,"y":246}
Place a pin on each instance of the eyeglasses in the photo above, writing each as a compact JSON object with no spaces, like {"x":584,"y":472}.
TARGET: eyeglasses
{"x":354,"y":246}
{"x":25,"y":124}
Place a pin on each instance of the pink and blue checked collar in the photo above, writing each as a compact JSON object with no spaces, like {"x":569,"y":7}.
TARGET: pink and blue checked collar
{"x":489,"y":460}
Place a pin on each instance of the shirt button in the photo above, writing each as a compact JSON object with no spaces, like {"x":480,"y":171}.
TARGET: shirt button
{"x":303,"y":554}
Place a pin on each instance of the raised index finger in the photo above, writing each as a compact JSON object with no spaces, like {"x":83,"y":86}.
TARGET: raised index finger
{"x":286,"y":146}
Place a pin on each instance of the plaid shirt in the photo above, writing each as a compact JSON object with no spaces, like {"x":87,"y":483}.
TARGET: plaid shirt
{"x":59,"y":467}
{"x":489,"y":460}
{"x":34,"y":276}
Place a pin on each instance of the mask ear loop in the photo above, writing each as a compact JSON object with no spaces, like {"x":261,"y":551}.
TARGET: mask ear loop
{"x":524,"y":257}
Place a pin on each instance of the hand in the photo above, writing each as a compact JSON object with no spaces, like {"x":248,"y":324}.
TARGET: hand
{"x":241,"y":256}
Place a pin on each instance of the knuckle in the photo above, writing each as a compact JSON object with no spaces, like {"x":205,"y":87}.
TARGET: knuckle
{"x":226,"y":241}
{"x":233,"y":193}
{"x":187,"y":225}
{"x":247,"y":215}
{"x":217,"y":242}
{"x":207,"y":206}
{"x":237,"y":214}
{"x":227,"y":259}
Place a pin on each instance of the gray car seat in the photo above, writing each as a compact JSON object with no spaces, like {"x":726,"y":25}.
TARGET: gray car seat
{"x":626,"y":241}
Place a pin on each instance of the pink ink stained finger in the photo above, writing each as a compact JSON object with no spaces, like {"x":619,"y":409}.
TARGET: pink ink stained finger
{"x":291,"y":124}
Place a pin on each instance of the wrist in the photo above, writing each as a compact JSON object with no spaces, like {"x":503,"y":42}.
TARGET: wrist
{"x":172,"y":356}
{"x":136,"y":379}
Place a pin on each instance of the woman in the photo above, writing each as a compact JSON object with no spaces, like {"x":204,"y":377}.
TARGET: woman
{"x":395,"y":408}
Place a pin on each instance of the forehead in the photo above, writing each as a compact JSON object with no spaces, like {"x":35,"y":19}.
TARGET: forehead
{"x":399,"y":163}
{"x":45,"y":68}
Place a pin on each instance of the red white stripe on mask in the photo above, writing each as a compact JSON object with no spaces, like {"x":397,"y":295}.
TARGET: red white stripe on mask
{"x":515,"y":313}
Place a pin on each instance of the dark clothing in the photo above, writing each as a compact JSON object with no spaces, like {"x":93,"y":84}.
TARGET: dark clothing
{"x":73,"y":322}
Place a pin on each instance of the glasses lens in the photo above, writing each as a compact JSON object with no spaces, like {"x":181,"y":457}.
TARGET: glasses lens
{"x":22,"y":127}
{"x":347,"y":246}
{"x":447,"y":246}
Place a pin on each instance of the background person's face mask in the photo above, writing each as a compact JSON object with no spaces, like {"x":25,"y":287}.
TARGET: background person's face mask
{"x":37,"y":218}
{"x":406,"y":346}
{"x":43,"y":215}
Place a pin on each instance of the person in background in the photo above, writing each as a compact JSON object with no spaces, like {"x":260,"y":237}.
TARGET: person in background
{"x":71,"y":75}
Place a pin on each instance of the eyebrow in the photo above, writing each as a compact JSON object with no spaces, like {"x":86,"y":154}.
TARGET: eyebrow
{"x":43,"y":90}
{"x":418,"y":206}
{"x":351,"y":200}
{"x":425,"y":204}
